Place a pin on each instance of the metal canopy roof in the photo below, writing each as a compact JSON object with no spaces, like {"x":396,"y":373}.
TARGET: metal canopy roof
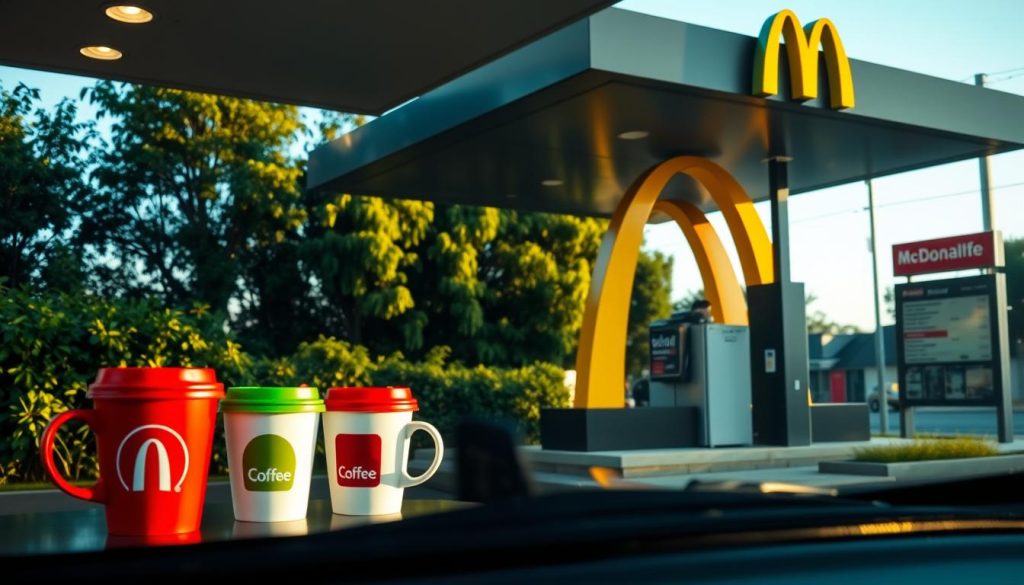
{"x":553,"y":110}
{"x":364,"y":57}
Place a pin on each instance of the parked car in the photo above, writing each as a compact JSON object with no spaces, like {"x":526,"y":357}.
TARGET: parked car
{"x":893,"y":395}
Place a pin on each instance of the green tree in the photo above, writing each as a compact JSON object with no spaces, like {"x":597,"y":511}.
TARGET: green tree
{"x":41,"y":183}
{"x":650,"y":301}
{"x":524,"y":301}
{"x":199,"y":198}
{"x":497,"y":286}
{"x":360,"y":251}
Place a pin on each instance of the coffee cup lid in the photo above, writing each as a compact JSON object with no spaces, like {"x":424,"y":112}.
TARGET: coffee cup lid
{"x":272,"y":399}
{"x":155,"y":384}
{"x":371,"y":399}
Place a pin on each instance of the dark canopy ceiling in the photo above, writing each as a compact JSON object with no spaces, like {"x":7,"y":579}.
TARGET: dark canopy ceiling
{"x":365,"y":56}
{"x":554,"y":110}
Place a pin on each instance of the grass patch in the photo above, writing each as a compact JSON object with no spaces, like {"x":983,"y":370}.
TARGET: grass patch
{"x":927,"y":450}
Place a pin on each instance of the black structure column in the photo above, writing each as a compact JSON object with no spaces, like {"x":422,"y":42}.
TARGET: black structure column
{"x":780,"y":371}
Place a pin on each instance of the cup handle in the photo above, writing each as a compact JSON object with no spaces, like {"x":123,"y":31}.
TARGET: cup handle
{"x":93,"y":493}
{"x":410,"y":428}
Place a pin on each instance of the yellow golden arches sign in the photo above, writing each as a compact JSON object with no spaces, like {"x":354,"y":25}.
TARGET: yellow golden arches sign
{"x":600,"y":360}
{"x":802,"y":50}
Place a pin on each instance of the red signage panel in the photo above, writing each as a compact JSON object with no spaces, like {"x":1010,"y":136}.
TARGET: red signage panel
{"x":984,"y":250}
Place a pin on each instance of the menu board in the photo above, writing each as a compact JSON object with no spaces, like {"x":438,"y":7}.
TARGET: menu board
{"x":667,"y":352}
{"x":947,"y":347}
{"x":953,"y":329}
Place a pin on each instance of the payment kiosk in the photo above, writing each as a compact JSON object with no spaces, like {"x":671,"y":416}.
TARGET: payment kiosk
{"x":707,"y":366}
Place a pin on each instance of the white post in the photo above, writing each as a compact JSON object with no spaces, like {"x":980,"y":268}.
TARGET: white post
{"x":988,"y":208}
{"x":883,"y":395}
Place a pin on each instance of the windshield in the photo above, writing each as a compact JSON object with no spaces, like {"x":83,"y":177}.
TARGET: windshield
{"x":227,"y":318}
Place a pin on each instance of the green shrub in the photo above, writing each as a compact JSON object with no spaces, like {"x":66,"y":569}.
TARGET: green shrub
{"x":449,"y":392}
{"x":927,"y":450}
{"x":323,"y":363}
{"x":51,"y":347}
{"x":53,"y":344}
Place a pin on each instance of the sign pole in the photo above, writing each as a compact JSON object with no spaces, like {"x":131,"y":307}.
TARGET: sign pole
{"x":1004,"y":407}
{"x":883,"y":395}
{"x":988,"y":211}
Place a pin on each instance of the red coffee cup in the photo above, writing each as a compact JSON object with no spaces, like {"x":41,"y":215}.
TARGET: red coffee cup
{"x":154,"y":430}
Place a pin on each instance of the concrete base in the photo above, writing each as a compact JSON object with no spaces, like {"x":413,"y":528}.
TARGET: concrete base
{"x":921,"y":470}
{"x":554,"y":471}
{"x":603,"y":429}
{"x":653,"y":462}
{"x":832,"y":423}
{"x":551,"y":468}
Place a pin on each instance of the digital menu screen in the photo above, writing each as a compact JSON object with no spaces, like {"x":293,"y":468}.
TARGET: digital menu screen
{"x":953,"y":329}
{"x":946,"y":342}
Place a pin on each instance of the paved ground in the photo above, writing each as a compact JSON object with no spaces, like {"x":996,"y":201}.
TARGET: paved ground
{"x":974,"y":421}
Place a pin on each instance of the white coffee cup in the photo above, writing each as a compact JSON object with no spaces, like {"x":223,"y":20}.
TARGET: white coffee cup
{"x":271,"y":440}
{"x":366,"y":435}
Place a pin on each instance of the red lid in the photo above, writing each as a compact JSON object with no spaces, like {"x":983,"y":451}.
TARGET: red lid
{"x":156,"y":383}
{"x":376,"y":399}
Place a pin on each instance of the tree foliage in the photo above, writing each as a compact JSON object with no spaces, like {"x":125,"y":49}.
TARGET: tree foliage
{"x":195,"y":195}
{"x":52,"y":344}
{"x":649,"y":302}
{"x":192,"y":198}
{"x":41,"y":188}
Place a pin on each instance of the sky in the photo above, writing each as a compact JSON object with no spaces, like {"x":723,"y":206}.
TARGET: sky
{"x":950,"y":39}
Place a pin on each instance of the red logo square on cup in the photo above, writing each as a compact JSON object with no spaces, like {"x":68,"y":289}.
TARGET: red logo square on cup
{"x":357,"y":460}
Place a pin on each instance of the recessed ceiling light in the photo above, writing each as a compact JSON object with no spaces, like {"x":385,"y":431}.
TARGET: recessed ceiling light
{"x":129,"y":13}
{"x":101,"y":52}
{"x":634,"y":135}
{"x":552,"y":182}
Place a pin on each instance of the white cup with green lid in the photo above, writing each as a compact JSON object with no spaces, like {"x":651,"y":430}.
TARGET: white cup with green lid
{"x":271,"y":438}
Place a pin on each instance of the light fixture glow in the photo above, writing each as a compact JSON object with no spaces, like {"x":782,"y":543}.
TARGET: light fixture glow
{"x":128,"y":13}
{"x":634,"y":135}
{"x":101,"y":52}
{"x":552,"y":182}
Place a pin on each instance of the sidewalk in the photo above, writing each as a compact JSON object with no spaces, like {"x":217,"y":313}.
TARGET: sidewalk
{"x":559,"y":471}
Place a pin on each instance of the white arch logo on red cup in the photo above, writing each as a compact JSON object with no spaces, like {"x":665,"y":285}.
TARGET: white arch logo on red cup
{"x":144,"y":443}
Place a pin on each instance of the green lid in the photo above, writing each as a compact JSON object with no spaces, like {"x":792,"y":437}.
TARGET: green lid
{"x":272,"y":400}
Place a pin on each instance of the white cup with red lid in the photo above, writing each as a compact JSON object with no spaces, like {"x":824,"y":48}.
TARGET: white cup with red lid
{"x":366,"y":436}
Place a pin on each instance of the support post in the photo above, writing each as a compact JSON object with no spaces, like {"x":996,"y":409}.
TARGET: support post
{"x":988,"y":208}
{"x":1004,"y":409}
{"x":883,"y":396}
{"x":780,"y":370}
{"x":778,"y":181}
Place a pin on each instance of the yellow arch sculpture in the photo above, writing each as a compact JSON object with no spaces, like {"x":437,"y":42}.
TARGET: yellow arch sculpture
{"x":600,"y":360}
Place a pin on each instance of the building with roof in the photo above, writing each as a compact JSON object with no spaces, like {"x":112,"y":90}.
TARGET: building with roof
{"x":843,"y":367}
